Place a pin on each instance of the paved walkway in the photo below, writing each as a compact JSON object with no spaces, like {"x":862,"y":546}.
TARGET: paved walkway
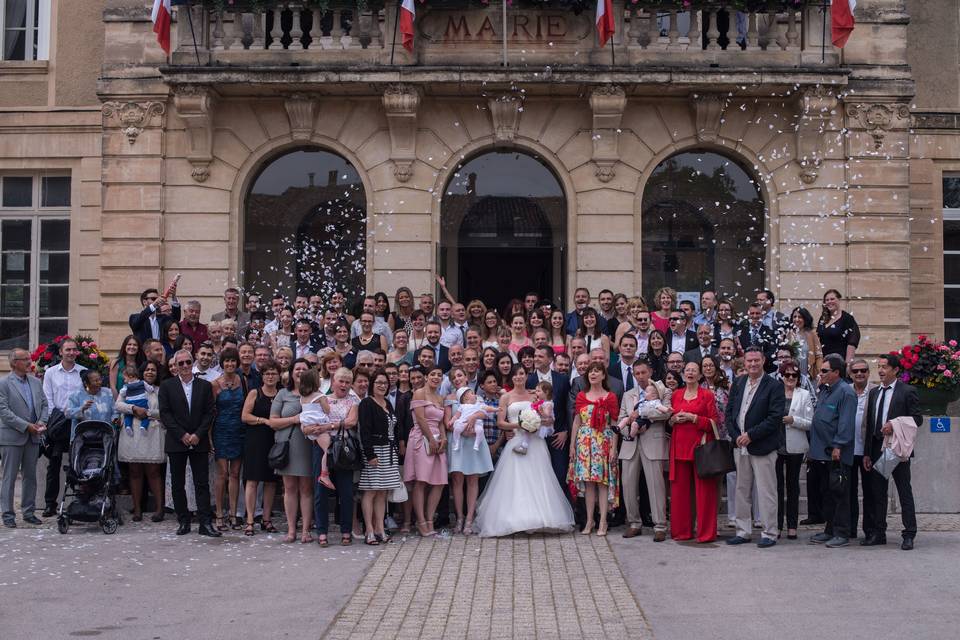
{"x":519,"y":587}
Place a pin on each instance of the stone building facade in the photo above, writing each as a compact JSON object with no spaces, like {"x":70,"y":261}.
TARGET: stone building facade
{"x":848,"y":152}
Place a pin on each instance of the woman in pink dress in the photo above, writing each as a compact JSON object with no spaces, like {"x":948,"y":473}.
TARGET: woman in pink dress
{"x":426,"y":459}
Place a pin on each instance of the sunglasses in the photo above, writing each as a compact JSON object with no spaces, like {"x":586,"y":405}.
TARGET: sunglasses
{"x":790,"y":375}
{"x":675,"y":319}
{"x":826,"y":370}
{"x":859,"y":371}
{"x":183,"y":363}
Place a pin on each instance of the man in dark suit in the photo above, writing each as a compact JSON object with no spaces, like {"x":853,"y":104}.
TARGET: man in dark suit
{"x":186,"y":411}
{"x":558,"y":444}
{"x":679,"y":338}
{"x":704,"y":345}
{"x":754,"y":420}
{"x":441,"y":355}
{"x":621,"y":367}
{"x":154,"y":315}
{"x":754,"y":333}
{"x":890,"y":400}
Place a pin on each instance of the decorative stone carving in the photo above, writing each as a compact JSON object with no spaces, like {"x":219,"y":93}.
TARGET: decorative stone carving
{"x":195,"y":107}
{"x":401,"y":102}
{"x":505,"y":116}
{"x":607,"y":103}
{"x":133,"y":116}
{"x":816,"y":108}
{"x":877,"y":119}
{"x":301,"y":109}
{"x":707,"y":112}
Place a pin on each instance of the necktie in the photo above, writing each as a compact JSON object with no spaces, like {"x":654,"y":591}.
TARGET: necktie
{"x":878,"y":422}
{"x":463,"y":333}
{"x":753,"y":337}
{"x":628,"y":380}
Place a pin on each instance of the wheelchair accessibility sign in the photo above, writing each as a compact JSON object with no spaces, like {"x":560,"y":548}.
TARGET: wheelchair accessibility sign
{"x":940,"y":425}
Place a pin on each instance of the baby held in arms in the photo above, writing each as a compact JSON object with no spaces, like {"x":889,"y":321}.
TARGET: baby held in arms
{"x":311,"y":415}
{"x":538,"y":419}
{"x":472,"y":410}
{"x":631,"y":426}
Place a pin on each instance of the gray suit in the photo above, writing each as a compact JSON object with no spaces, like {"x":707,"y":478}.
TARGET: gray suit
{"x":18,"y":448}
{"x":648,"y":452}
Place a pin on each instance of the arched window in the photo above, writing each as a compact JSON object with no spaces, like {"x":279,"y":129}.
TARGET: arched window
{"x":305,"y":226}
{"x":704,"y":227}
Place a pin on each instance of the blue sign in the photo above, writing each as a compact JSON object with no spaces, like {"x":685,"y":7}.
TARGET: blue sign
{"x":940,"y":425}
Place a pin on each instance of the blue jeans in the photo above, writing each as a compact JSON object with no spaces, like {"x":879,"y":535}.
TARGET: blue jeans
{"x":343,"y":481}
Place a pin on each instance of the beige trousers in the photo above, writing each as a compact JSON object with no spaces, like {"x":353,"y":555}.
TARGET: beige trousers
{"x":763,"y":470}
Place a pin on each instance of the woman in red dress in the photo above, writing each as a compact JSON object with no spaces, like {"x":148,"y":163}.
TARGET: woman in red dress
{"x":694,"y":408}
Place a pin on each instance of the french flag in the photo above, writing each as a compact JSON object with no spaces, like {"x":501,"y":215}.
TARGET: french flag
{"x":161,"y":18}
{"x":605,"y":25}
{"x":408,"y":11}
{"x":841,"y":19}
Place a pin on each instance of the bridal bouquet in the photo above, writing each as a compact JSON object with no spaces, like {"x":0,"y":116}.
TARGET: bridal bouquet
{"x":529,"y":420}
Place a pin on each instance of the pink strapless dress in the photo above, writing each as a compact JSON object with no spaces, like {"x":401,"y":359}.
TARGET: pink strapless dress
{"x":420,"y":465}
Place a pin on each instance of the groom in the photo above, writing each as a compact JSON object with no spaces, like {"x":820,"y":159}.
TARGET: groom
{"x":557,"y":443}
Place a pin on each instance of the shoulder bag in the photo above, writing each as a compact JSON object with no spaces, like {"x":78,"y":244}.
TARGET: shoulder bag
{"x":279,"y":455}
{"x":715,"y":458}
{"x":345,"y":453}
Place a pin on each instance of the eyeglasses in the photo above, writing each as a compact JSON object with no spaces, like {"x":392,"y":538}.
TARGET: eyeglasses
{"x":826,"y":370}
{"x":183,"y":363}
{"x":856,"y":371}
{"x":790,"y":375}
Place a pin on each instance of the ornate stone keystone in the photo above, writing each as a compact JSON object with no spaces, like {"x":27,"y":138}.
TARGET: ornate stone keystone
{"x":133,"y":116}
{"x":707,"y":112}
{"x":816,"y":108}
{"x":607,"y":103}
{"x":195,"y":107}
{"x":505,"y":116}
{"x":400,"y":102}
{"x":301,"y":109}
{"x":877,"y":119}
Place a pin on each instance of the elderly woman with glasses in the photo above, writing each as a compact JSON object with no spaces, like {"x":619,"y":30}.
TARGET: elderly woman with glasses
{"x":796,"y":424}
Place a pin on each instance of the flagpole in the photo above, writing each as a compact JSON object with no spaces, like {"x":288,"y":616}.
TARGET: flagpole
{"x":196,"y":49}
{"x":504,"y":33}
{"x":396,"y":23}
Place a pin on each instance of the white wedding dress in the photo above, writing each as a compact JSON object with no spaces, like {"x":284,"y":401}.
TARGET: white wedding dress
{"x":523,"y":493}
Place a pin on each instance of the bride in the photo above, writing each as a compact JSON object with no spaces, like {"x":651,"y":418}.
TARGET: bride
{"x":522,"y":494}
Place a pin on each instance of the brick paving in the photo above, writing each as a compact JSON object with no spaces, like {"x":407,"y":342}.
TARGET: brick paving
{"x":536,"y":586}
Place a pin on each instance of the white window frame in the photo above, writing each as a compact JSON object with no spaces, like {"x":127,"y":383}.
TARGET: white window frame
{"x":38,"y":23}
{"x":36,"y":214}
{"x":953,"y":215}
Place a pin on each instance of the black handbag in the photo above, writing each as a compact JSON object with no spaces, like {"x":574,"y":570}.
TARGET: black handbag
{"x":279,"y":455}
{"x":345,"y":453}
{"x":56,"y":439}
{"x":715,"y":458}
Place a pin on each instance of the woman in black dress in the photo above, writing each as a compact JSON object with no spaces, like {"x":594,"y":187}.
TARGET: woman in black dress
{"x":259,"y":440}
{"x":368,"y":340}
{"x":838,"y":331}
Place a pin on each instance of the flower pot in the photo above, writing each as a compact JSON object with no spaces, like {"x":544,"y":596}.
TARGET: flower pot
{"x":933,"y":402}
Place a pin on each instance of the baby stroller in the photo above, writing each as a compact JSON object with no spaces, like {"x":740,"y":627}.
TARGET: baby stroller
{"x":91,"y":479}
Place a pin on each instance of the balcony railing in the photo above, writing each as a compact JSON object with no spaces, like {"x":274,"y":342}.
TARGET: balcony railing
{"x":461,"y":34}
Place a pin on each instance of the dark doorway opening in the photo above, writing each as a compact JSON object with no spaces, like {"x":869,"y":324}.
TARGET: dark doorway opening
{"x":497,"y":275}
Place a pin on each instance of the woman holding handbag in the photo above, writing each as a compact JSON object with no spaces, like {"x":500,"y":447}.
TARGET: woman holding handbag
{"x":694,"y":421}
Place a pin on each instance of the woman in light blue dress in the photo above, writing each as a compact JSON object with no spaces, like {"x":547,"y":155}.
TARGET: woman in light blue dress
{"x":466,"y":464}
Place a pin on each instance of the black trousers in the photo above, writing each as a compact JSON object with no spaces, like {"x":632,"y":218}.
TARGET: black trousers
{"x":788,"y":489}
{"x":901,"y":477}
{"x":815,"y":480}
{"x":201,"y":484}
{"x":51,"y":494}
{"x":836,"y":502}
{"x":866,"y":485}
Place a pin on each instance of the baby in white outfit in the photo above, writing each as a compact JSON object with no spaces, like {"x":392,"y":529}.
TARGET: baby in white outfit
{"x":472,"y":410}
{"x":312,"y":414}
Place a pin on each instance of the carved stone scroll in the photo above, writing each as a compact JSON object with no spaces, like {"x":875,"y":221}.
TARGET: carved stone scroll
{"x":707,"y":113}
{"x":133,"y":116}
{"x":880,"y":118}
{"x":195,"y":107}
{"x":301,"y":109}
{"x":400,"y":103}
{"x":607,"y":103}
{"x":817,"y":106}
{"x":505,"y":116}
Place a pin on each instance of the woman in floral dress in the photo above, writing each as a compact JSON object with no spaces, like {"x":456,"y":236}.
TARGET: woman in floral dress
{"x":593,"y":449}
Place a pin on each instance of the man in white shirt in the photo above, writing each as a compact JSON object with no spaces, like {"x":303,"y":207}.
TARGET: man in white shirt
{"x":704,"y":346}
{"x":59,"y":383}
{"x":727,"y":351}
{"x":708,"y":309}
{"x":450,"y":334}
{"x":303,"y":344}
{"x":622,"y":370}
{"x":206,"y":368}
{"x":276,"y":307}
{"x":679,"y":338}
{"x":859,"y":372}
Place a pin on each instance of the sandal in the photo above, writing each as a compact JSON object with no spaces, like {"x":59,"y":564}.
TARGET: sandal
{"x":346,"y":540}
{"x":424,"y":530}
{"x":602,"y":530}
{"x":267,"y":525}
{"x":236,"y":524}
{"x":468,"y":528}
{"x":587,"y":529}
{"x":322,"y":540}
{"x":220,"y":525}
{"x":290,"y":538}
{"x":371,"y":540}
{"x":385,"y":538}
{"x":458,"y":527}
{"x":248,"y":530}
{"x":324,"y":479}
{"x":306,"y":538}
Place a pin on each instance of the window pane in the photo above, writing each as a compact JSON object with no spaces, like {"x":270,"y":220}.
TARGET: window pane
{"x":951,"y":303}
{"x":15,"y":16}
{"x":55,"y":235}
{"x":51,"y":328}
{"x":951,"y":330}
{"x":17,"y":190}
{"x":16,"y":268}
{"x":55,"y":191}
{"x":951,"y":269}
{"x":54,"y":268}
{"x":951,"y":235}
{"x":13,"y":334}
{"x":951,"y":192}
{"x":15,"y":235}
{"x":54,"y":301}
{"x":14,"y":301}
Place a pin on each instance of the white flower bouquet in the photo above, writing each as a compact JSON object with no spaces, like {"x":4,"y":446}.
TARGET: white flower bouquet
{"x":529,"y":420}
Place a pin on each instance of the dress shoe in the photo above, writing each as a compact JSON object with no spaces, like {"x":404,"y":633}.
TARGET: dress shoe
{"x":820,"y":538}
{"x":766,"y":543}
{"x":907,"y":544}
{"x":809,"y":521}
{"x":207,"y":530}
{"x":632,"y":532}
{"x":157,"y":517}
{"x":49,"y":511}
{"x":838,"y":541}
{"x":873,"y":540}
{"x":659,"y":536}
{"x":32,"y":519}
{"x":737,"y":540}
{"x":9,"y":524}
{"x":183,"y":529}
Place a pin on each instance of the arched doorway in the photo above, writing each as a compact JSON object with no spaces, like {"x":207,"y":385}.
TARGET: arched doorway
{"x":704,"y":227}
{"x":305,"y":226}
{"x":503,"y":229}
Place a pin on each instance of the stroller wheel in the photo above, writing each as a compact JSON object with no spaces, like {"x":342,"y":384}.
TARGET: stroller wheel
{"x":63,"y":524}
{"x":109,"y":526}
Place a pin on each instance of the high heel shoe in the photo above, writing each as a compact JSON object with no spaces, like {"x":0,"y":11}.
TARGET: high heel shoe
{"x":423,"y":529}
{"x":458,"y":527}
{"x":602,"y":530}
{"x":587,"y":529}
{"x":468,"y":528}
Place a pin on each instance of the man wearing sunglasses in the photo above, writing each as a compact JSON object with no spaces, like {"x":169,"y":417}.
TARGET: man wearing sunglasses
{"x":831,"y":444}
{"x":859,"y":372}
